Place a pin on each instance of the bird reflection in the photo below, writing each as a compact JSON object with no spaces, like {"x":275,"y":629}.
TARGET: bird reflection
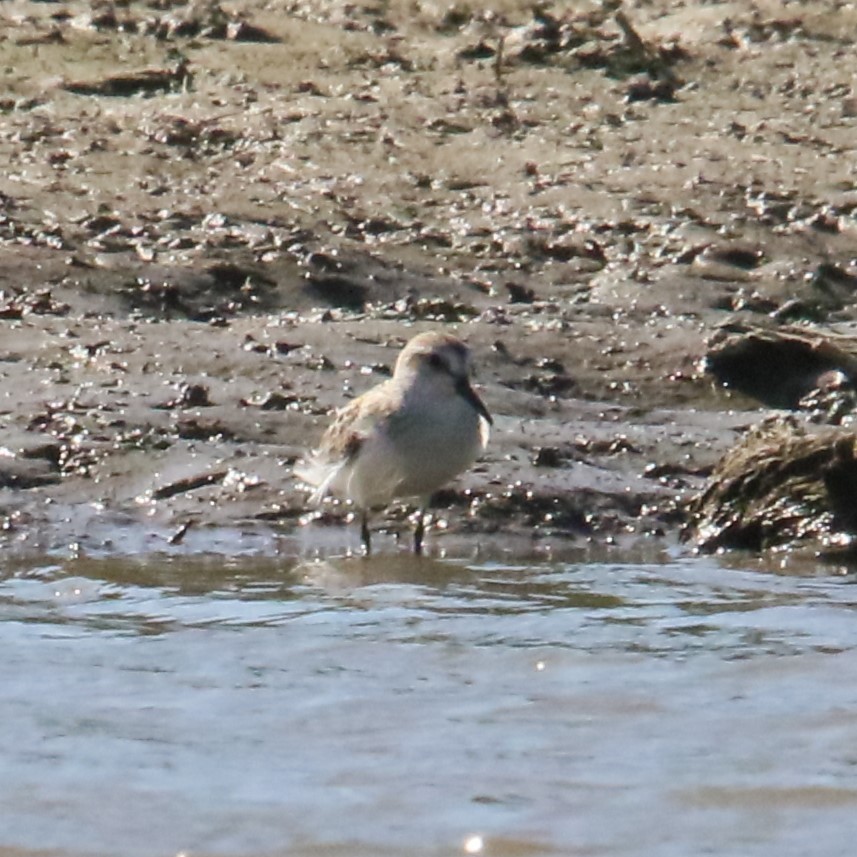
{"x":347,"y":573}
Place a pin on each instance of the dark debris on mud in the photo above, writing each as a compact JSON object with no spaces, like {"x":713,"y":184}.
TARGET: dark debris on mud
{"x":782,"y":486}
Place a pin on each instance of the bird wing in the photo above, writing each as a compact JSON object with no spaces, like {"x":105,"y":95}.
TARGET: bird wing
{"x":344,"y":437}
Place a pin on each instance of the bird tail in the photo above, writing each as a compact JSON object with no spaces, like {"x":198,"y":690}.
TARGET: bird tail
{"x":317,"y":474}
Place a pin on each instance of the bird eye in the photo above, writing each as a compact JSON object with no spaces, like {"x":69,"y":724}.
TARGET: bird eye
{"x":436,"y":361}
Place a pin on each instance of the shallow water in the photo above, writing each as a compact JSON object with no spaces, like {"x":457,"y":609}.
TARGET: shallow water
{"x":434,"y":707}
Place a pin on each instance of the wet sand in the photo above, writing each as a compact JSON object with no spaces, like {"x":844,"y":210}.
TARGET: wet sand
{"x":207,"y":243}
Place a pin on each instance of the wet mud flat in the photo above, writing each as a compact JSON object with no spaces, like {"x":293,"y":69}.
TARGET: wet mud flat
{"x":218,"y":223}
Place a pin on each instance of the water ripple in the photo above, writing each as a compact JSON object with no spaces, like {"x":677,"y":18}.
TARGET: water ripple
{"x":412,"y":706}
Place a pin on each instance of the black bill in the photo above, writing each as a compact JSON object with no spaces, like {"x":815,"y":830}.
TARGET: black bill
{"x":467,"y":393}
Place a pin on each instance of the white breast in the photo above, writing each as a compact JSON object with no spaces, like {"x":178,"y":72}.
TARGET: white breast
{"x":416,"y":452}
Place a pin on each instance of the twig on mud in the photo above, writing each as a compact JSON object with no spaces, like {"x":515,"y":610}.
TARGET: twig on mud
{"x":178,"y":536}
{"x":188,"y":484}
{"x":498,"y":60}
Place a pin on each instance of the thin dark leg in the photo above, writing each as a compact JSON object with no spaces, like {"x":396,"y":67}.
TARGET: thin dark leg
{"x":365,"y":535}
{"x":419,"y":531}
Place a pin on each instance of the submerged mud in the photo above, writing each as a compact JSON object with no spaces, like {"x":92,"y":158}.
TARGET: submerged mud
{"x":219,"y":223}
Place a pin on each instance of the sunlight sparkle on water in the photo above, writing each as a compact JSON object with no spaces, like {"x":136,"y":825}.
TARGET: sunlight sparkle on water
{"x":473,"y":845}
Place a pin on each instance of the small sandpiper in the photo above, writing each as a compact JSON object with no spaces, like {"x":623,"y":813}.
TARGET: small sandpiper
{"x":404,"y":438}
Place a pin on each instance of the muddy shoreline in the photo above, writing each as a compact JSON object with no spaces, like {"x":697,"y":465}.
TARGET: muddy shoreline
{"x":201,"y":257}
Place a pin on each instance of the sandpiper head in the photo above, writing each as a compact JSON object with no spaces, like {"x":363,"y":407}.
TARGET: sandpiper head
{"x":434,"y":352}
{"x":440,"y":359}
